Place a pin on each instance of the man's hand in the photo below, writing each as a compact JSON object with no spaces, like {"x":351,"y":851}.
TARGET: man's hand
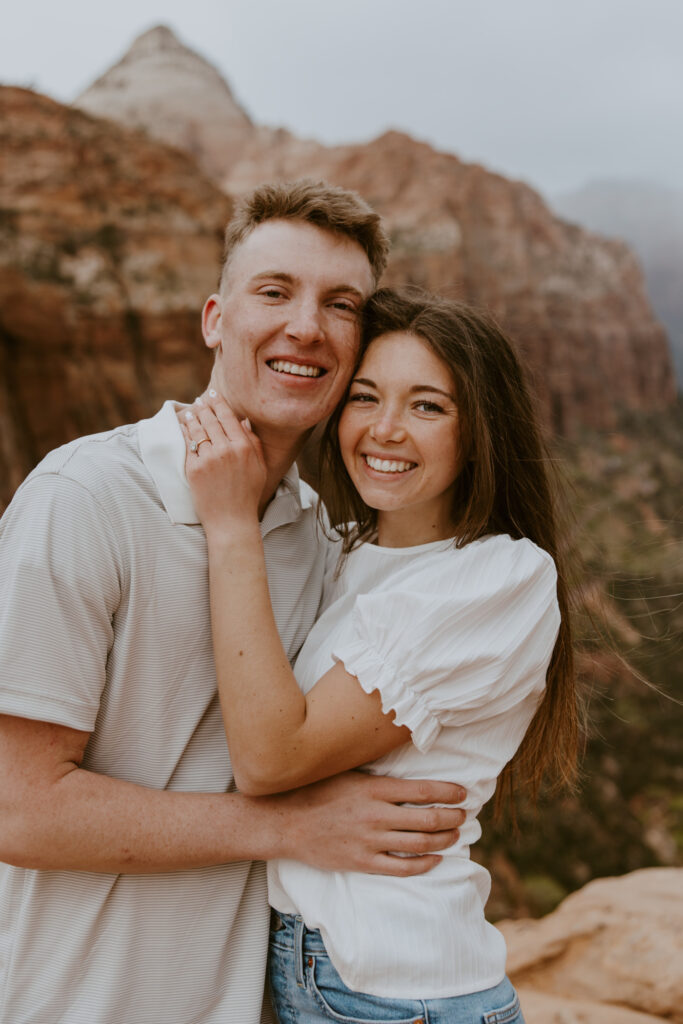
{"x":56,"y":816}
{"x":354,"y":821}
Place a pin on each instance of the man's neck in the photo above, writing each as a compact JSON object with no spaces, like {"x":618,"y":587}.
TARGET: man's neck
{"x":279,"y":453}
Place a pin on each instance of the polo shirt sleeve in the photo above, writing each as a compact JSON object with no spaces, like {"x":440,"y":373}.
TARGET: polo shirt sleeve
{"x":60,"y":572}
{"x":448,"y":651}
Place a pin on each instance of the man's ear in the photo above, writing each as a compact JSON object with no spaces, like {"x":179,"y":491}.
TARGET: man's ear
{"x":211,"y":321}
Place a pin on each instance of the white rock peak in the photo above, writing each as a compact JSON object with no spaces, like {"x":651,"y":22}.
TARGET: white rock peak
{"x":164,"y":87}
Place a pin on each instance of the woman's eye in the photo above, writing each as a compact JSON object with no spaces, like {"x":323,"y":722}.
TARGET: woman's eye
{"x":361,"y":398}
{"x":428,"y":407}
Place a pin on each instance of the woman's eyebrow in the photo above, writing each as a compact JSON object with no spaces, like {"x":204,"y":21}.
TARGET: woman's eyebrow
{"x":367,"y":383}
{"x":431,"y":388}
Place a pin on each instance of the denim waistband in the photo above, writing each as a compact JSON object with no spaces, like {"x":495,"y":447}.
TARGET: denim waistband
{"x":290,"y":932}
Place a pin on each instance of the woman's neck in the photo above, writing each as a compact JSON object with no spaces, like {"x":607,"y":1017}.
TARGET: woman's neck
{"x":404,"y":528}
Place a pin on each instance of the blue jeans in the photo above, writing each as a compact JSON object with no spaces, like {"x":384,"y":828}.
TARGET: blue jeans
{"x":306,"y":989}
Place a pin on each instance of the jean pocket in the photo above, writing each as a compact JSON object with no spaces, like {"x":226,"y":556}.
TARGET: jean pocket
{"x":342,"y":1004}
{"x":511,"y":1013}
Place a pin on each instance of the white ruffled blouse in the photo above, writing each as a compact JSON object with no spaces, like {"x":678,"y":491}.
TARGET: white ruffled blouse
{"x":457,"y":641}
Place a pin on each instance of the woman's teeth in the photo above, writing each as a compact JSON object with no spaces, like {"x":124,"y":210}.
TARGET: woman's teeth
{"x":387,"y":466}
{"x":296,"y":368}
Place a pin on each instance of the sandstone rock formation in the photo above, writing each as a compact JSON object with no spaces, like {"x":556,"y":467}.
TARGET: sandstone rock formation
{"x":177,"y":96}
{"x":612,"y":953}
{"x":575,"y":303}
{"x":109,"y":244}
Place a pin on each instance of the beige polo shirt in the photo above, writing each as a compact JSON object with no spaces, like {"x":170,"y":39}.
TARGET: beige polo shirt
{"x":104,"y":626}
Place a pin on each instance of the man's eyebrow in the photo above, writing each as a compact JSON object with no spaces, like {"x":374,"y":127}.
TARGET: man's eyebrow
{"x":367,"y":383}
{"x":348,"y":289}
{"x":274,"y":275}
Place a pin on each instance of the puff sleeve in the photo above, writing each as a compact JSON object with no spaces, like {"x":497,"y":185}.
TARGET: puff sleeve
{"x":465,"y":638}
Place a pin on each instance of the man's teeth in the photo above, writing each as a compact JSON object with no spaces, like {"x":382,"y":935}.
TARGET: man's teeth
{"x":386,"y":466}
{"x":295,"y":368}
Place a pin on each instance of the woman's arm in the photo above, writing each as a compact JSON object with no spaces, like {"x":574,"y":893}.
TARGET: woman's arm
{"x":278,"y":738}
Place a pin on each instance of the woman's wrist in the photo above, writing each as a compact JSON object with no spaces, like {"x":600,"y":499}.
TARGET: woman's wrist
{"x":235,"y":536}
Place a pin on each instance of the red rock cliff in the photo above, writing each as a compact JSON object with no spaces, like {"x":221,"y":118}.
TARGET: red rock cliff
{"x":109,"y":244}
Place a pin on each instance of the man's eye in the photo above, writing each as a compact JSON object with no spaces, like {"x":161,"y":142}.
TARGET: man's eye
{"x":344,"y":306}
{"x":273,"y":293}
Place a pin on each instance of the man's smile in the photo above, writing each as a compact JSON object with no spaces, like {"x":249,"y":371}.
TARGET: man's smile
{"x":297,"y":369}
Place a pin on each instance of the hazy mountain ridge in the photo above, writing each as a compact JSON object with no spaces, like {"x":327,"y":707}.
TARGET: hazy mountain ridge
{"x":649,"y":217}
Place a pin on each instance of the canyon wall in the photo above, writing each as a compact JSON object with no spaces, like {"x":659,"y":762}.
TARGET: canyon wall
{"x":109,"y":244}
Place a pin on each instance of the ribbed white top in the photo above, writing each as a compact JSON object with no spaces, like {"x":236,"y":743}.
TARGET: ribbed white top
{"x":457,"y":642}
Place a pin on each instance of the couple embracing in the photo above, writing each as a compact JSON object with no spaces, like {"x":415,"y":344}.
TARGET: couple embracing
{"x":421,"y":600}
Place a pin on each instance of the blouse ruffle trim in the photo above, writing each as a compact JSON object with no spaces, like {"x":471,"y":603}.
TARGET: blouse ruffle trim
{"x":373,"y":673}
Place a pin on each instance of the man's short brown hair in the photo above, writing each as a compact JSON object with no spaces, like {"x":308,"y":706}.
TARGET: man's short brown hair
{"x":326,"y":206}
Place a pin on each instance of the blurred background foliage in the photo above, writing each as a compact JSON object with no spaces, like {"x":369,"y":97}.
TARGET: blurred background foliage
{"x":624,"y":490}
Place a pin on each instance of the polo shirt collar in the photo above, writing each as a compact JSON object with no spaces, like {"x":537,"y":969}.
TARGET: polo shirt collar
{"x":162,"y":447}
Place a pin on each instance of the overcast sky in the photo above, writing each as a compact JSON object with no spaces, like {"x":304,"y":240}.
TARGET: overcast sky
{"x":556,"y":92}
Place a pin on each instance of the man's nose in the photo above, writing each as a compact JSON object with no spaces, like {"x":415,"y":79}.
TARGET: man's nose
{"x":305,"y":323}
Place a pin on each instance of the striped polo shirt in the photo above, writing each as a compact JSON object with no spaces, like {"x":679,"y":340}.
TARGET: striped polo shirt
{"x":105,"y":627}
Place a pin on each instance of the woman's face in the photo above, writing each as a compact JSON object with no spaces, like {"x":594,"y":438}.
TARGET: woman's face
{"x":399,"y":433}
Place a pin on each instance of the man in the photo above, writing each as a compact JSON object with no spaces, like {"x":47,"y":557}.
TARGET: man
{"x":130,"y":892}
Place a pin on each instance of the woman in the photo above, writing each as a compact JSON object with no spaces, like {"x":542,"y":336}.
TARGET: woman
{"x":443,"y":651}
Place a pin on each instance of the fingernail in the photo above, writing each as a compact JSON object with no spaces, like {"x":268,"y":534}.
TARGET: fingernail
{"x":199,"y":401}
{"x":246,"y":423}
{"x":212,"y":392}
{"x":188,"y":415}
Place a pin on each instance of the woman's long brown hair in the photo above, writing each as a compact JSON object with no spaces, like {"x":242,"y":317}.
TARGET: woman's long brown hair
{"x":504,"y":487}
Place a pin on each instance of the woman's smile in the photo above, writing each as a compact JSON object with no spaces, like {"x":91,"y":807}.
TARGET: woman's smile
{"x":387,"y":465}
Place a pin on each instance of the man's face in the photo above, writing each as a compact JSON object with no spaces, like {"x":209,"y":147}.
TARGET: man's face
{"x":287,"y":324}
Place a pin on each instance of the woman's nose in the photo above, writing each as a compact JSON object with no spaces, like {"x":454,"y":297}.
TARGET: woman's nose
{"x":387,"y":427}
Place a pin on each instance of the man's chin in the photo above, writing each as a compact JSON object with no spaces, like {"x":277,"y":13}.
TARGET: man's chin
{"x":286,"y":425}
